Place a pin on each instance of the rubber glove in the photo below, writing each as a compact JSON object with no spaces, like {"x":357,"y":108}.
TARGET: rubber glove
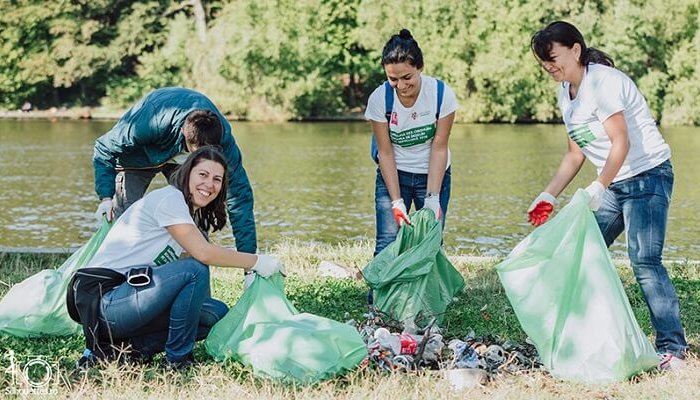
{"x":595,"y":190}
{"x":267,"y":265}
{"x":399,"y":209}
{"x":541,"y":208}
{"x":248,"y":279}
{"x":433,"y":203}
{"x":105,"y":208}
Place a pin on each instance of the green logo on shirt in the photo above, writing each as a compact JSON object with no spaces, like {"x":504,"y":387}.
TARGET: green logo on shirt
{"x":165,"y":256}
{"x":582,"y":136}
{"x":414,"y":136}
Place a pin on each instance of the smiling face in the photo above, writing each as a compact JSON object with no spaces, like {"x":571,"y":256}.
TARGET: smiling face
{"x":405,"y":78}
{"x":206,"y":179}
{"x":564,"y":63}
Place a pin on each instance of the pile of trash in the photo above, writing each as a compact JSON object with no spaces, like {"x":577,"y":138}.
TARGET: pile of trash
{"x":426,"y":349}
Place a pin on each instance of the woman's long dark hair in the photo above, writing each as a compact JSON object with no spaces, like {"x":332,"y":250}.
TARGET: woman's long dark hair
{"x":402,"y":48}
{"x":214,"y":214}
{"x":567,"y":35}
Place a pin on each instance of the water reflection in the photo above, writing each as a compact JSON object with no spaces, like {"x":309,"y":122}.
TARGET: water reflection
{"x":315,"y":183}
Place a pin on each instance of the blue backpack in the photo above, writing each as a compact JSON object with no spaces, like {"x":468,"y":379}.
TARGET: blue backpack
{"x":389,"y":105}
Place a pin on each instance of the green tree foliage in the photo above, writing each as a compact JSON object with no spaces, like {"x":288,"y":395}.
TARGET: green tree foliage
{"x":289,"y":59}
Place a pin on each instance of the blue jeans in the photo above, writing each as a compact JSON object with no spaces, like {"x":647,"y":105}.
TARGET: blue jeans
{"x":413,"y":188}
{"x":640,"y":204}
{"x":169,"y":314}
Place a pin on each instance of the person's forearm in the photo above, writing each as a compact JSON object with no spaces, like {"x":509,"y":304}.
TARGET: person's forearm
{"x":569,"y":167}
{"x":223,"y":257}
{"x":616,"y":129}
{"x":387,"y":166}
{"x":436,"y":168}
{"x":613,"y":163}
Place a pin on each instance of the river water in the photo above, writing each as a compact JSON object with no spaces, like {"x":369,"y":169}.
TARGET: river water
{"x":314,"y":183}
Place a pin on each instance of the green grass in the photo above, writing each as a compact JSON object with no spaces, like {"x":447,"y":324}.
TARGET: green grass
{"x":342,"y":299}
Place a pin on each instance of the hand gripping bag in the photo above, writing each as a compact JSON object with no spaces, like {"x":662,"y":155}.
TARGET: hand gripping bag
{"x":568,"y":298}
{"x":265,"y":332}
{"x":412,"y":279}
{"x":37,"y":305}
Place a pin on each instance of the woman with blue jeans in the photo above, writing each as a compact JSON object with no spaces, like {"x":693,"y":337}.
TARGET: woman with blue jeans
{"x":167,"y":306}
{"x":610,"y":124}
{"x":411,"y":138}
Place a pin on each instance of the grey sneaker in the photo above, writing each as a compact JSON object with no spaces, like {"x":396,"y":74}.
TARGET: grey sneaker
{"x":670,"y":362}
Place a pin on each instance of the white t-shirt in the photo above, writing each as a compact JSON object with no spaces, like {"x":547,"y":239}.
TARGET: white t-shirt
{"x":140,"y":237}
{"x":605,"y":91}
{"x":412,"y":129}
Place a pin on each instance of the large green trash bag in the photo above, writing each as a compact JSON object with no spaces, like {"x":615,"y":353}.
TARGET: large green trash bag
{"x":37,"y":305}
{"x":412,"y":279}
{"x":568,"y":298}
{"x":265,"y":332}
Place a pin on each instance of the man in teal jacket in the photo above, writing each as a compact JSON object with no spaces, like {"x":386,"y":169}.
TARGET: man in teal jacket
{"x":156,"y":133}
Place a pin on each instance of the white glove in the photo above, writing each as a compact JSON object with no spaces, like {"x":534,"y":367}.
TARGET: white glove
{"x":595,"y":190}
{"x":106,"y":208}
{"x":400,"y":214}
{"x":433,"y":203}
{"x":544,"y":196}
{"x":267,"y":265}
{"x":248,"y":279}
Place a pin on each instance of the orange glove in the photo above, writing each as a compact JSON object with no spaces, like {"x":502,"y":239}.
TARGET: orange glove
{"x":399,"y":209}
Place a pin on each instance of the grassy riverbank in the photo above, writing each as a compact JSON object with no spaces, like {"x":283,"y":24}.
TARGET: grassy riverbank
{"x":334,"y":298}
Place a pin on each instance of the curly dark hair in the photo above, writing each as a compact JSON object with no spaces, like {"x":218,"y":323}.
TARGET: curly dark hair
{"x":214,"y":214}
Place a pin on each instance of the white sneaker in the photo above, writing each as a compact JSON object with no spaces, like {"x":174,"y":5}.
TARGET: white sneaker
{"x":670,"y":362}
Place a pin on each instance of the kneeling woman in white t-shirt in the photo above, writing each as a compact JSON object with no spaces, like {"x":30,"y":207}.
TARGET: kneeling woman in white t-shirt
{"x":172,"y":308}
{"x":413,"y":157}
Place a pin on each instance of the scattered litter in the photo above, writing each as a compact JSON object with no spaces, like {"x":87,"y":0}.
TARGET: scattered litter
{"x":464,"y":362}
{"x":331,"y":269}
{"x":460,"y":379}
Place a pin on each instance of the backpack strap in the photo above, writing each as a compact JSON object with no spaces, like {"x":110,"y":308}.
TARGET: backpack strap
{"x":440,"y":94}
{"x":388,"y":107}
{"x":388,"y":101}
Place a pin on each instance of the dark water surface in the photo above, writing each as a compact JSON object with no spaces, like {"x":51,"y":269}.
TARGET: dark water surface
{"x":314,"y":182}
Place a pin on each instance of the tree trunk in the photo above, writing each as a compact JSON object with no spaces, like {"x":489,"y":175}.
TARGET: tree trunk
{"x":200,"y":20}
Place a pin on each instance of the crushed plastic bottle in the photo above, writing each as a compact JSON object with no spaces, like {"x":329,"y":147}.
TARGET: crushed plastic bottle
{"x":433,"y":348}
{"x":398,"y":344}
{"x":464,"y":355}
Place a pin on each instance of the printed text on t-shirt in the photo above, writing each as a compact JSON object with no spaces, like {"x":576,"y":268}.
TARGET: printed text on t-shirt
{"x":414,"y":136}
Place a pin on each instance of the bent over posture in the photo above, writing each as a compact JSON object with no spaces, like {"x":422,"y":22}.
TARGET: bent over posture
{"x":609,"y":123}
{"x":155,"y":136}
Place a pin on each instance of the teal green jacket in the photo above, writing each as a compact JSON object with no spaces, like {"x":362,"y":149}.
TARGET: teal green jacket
{"x":148,"y":135}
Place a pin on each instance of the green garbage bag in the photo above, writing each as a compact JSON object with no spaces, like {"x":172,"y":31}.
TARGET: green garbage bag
{"x":37,"y":305}
{"x":265,"y":332}
{"x":412,"y":279}
{"x":568,"y":298}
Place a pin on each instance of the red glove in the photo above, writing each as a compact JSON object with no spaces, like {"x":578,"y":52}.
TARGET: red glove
{"x":539,"y":211}
{"x":540,"y":214}
{"x":399,"y":209}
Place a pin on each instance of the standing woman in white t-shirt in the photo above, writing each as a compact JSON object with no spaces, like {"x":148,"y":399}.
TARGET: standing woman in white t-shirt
{"x":609,"y":123}
{"x":173,"y":308}
{"x":413,"y":157}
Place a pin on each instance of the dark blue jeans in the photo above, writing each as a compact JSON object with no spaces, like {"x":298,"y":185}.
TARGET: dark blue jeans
{"x":169,"y":314}
{"x":413,"y":188}
{"x":639,"y":206}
